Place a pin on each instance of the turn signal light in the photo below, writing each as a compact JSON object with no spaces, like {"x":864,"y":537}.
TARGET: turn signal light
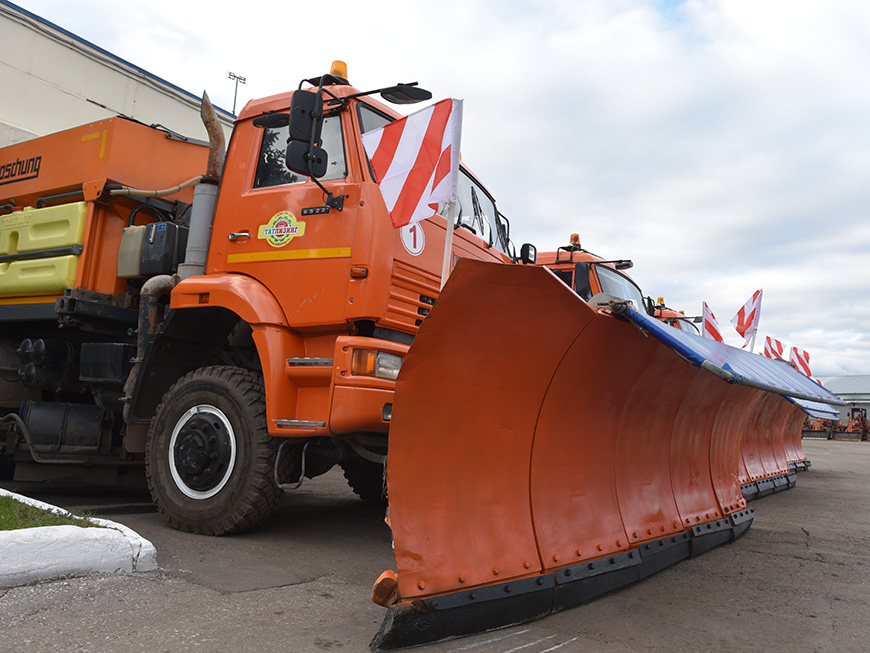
{"x":367,"y":362}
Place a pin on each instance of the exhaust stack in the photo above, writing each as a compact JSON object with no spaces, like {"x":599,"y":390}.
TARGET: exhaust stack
{"x":204,"y":195}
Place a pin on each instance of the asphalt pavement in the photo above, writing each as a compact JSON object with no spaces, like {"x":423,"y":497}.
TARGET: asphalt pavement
{"x":799,"y":580}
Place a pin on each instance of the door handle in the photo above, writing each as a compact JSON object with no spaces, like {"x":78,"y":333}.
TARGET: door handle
{"x":237,"y":235}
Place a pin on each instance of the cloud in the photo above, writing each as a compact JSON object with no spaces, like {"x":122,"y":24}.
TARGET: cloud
{"x":721,"y":145}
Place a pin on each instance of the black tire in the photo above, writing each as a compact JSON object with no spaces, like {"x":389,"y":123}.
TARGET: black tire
{"x":209,"y":459}
{"x":366,"y":479}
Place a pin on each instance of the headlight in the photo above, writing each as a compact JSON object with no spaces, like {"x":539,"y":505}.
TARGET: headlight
{"x":367,"y":362}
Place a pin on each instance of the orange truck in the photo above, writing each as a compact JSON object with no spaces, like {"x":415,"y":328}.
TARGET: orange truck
{"x":233,"y":323}
{"x":677,"y":319}
{"x":588,"y":274}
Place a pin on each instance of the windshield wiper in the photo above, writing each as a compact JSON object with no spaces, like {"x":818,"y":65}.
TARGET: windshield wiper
{"x":478,"y":215}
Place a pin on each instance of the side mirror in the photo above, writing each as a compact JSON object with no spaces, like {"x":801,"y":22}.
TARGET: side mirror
{"x":304,"y":154}
{"x":305,"y":159}
{"x":405,"y":94}
{"x":581,"y":280}
{"x":306,"y":117}
{"x":528,"y":254}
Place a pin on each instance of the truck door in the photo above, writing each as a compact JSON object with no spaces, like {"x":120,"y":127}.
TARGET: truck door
{"x":271,"y":223}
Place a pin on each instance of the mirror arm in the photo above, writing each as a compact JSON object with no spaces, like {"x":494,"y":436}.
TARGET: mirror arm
{"x":331,"y":200}
{"x":337,"y":100}
{"x":344,"y":100}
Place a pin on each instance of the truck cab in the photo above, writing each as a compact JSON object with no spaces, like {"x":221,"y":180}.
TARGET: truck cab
{"x":234,"y":340}
{"x":588,"y":274}
{"x":677,"y":319}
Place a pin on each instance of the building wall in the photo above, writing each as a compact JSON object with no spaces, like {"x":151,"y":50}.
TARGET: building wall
{"x":53,"y":80}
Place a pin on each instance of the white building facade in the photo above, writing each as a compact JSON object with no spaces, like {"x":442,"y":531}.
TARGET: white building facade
{"x":53,"y":80}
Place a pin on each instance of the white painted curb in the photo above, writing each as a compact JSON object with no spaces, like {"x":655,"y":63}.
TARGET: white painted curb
{"x":32,"y":554}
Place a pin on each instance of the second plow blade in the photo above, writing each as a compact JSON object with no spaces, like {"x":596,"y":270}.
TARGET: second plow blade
{"x":543,"y":453}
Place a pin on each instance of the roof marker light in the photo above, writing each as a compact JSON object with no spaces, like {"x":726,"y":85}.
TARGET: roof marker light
{"x":339,"y":69}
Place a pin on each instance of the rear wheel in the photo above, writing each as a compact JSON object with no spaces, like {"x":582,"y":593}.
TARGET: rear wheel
{"x":366,"y":479}
{"x":209,"y":456}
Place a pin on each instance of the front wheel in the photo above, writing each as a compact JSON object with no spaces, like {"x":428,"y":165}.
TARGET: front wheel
{"x":209,"y":456}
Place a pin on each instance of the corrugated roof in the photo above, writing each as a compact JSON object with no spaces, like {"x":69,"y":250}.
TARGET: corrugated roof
{"x":848,"y":387}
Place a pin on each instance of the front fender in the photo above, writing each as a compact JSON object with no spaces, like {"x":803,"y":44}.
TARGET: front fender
{"x":244,"y":296}
{"x":204,"y":309}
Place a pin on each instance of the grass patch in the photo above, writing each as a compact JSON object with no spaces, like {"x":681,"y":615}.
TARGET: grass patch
{"x":15,"y":515}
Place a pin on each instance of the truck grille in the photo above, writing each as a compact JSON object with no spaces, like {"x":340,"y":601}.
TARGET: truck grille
{"x":412,"y":295}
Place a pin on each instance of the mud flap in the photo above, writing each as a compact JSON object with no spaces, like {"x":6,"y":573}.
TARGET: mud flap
{"x":543,"y":453}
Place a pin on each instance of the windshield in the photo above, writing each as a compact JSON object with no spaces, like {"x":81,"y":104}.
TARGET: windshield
{"x":614,"y":283}
{"x":684,"y":325}
{"x":475,"y":210}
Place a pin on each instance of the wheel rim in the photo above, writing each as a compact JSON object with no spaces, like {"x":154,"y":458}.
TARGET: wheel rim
{"x":202,"y":451}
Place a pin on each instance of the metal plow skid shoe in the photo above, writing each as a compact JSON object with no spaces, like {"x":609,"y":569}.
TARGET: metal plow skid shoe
{"x":545,"y":451}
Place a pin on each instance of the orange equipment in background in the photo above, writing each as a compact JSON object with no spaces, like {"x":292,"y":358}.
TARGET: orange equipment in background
{"x":820,"y":428}
{"x":857,"y":427}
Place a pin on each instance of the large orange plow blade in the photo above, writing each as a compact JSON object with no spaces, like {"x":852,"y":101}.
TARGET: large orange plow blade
{"x":543,"y":452}
{"x":771,"y":449}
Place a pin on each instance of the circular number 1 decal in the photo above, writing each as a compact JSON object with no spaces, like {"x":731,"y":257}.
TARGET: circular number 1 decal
{"x":413,"y":238}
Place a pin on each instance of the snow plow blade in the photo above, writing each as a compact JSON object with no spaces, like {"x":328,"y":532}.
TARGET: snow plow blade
{"x":794,"y":440}
{"x":764,"y":464}
{"x":544,"y":452}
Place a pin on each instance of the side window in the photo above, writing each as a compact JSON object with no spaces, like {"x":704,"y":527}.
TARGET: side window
{"x":370,"y":119}
{"x":271,"y":170}
{"x":564,"y":275}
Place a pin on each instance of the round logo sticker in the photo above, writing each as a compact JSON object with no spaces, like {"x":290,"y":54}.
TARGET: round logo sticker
{"x":413,"y":238}
{"x":281,"y":229}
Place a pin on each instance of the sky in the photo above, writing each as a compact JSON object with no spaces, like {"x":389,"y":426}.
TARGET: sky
{"x":722,"y":145}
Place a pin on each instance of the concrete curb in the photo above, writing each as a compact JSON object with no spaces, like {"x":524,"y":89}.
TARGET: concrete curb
{"x":33,"y":554}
